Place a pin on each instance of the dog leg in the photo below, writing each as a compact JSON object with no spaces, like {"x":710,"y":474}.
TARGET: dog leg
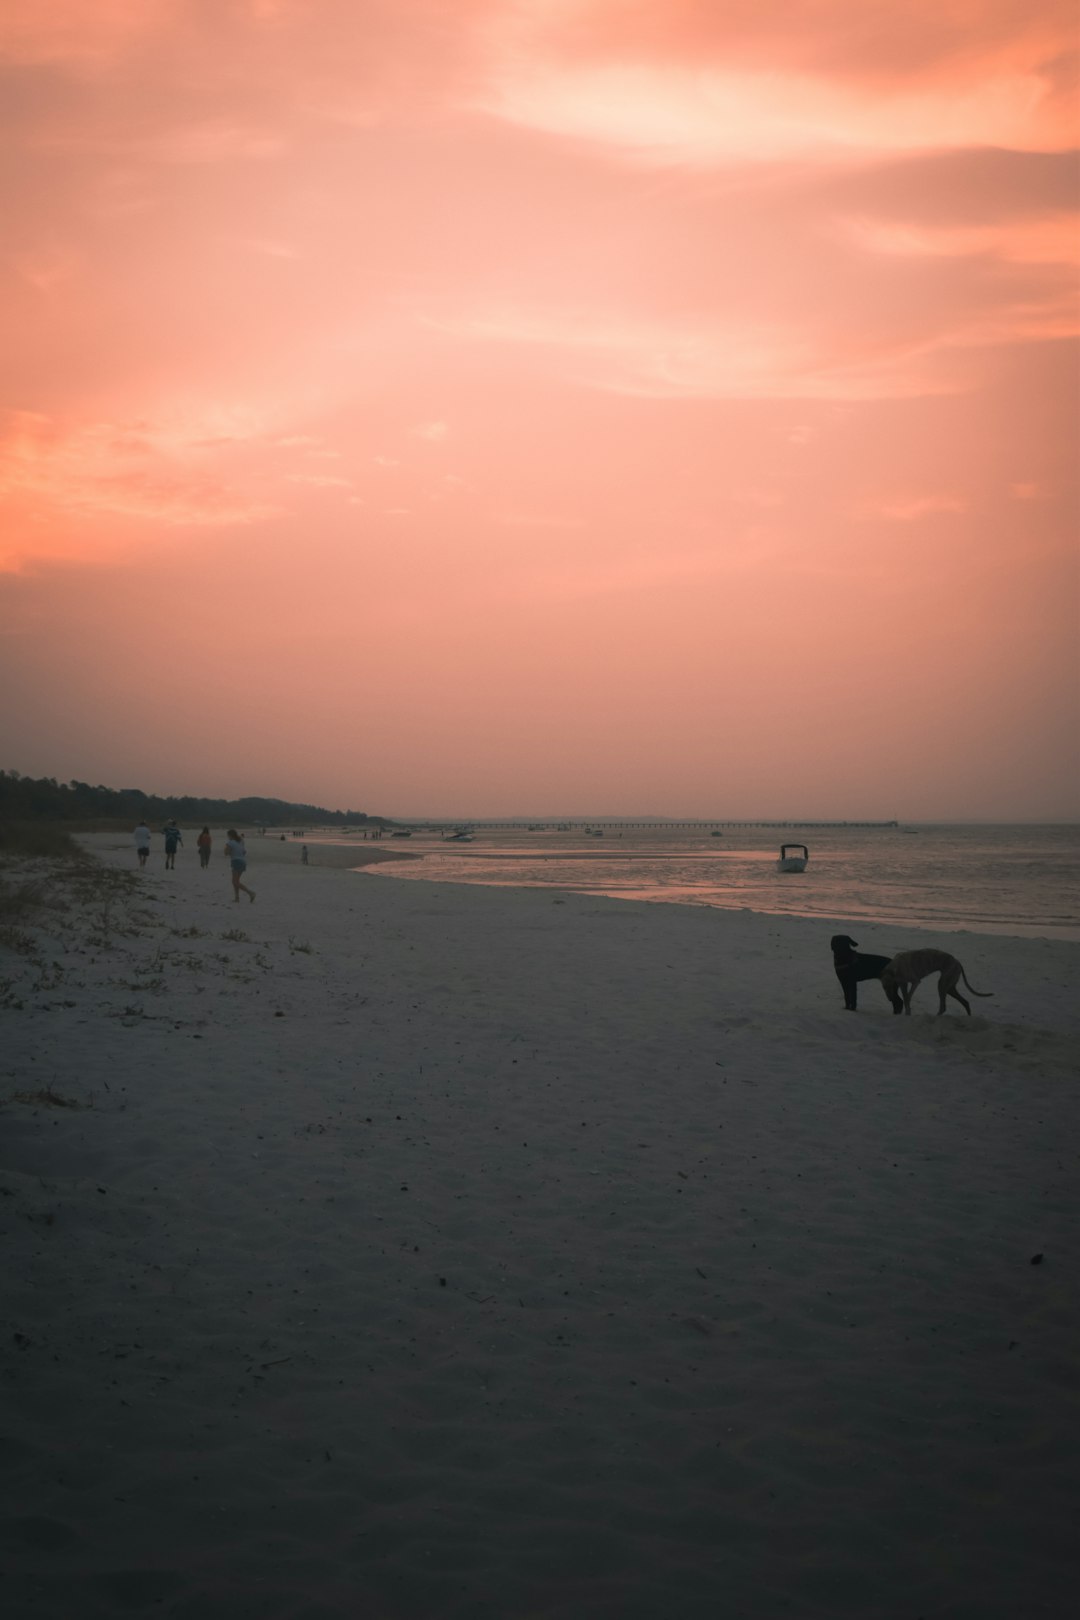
{"x":893,"y":997}
{"x":947,"y":984}
{"x":956,"y":997}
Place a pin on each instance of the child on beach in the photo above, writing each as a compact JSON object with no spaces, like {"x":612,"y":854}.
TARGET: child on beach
{"x":204,"y":844}
{"x":142,"y":842}
{"x":304,"y":854}
{"x":236,"y":851}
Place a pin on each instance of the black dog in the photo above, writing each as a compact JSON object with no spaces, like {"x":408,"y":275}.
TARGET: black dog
{"x":851,"y":966}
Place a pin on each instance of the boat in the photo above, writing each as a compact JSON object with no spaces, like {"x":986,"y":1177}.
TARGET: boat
{"x":461,"y":835}
{"x":795,"y":862}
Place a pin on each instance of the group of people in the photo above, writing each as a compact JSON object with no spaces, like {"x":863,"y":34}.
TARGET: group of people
{"x":235,"y":851}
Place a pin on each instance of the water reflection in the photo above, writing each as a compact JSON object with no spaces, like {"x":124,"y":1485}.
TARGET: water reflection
{"x":988,"y":879}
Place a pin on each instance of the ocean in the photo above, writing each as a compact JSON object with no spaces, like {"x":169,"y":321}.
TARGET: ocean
{"x":985,"y":879}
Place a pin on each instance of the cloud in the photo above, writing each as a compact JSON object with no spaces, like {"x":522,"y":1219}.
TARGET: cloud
{"x":103,"y":470}
{"x":434,"y":432}
{"x":700,"y":85}
{"x":44,"y":270}
{"x":699,"y":118}
{"x":1052,"y":239}
{"x":71,"y":31}
{"x":911,"y":508}
{"x":222,"y":139}
{"x":881,"y":40}
{"x":710,"y":358}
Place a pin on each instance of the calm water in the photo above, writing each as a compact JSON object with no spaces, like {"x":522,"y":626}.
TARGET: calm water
{"x":1013,"y":880}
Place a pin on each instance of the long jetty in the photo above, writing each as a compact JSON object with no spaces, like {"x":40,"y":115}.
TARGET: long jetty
{"x":580,"y":823}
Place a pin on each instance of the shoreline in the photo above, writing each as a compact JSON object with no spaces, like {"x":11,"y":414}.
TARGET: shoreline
{"x":965,"y":887}
{"x":422,"y":1248}
{"x":1066,"y":934}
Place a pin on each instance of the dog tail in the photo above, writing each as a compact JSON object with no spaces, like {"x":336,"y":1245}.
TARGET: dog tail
{"x":986,"y":994}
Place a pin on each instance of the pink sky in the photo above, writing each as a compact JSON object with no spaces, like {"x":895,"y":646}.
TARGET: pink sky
{"x":466,"y":407}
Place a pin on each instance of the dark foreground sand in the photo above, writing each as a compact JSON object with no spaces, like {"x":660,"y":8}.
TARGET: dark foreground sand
{"x":485,"y":1254}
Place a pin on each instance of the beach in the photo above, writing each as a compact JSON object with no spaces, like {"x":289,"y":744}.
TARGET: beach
{"x":407,"y":1249}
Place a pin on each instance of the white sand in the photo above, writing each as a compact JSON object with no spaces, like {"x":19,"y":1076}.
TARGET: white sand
{"x":476,"y":1253}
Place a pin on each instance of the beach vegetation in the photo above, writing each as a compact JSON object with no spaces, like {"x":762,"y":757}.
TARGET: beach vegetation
{"x":19,"y":900}
{"x":19,"y":941}
{"x":37,"y":839}
{"x":188,"y":960}
{"x":237,"y":935}
{"x":51,"y":975}
{"x":300,"y":945}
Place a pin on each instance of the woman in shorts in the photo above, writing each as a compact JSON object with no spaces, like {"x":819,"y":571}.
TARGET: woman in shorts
{"x":235,"y":850}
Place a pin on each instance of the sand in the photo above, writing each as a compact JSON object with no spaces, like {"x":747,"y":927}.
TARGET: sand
{"x":421,"y":1250}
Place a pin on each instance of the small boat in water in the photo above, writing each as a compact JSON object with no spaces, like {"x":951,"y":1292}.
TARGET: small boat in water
{"x":796,"y":861}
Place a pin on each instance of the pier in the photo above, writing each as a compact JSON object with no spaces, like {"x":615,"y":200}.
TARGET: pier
{"x":579,"y":824}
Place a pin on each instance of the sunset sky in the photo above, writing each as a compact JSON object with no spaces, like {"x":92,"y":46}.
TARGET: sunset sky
{"x":477,"y":407}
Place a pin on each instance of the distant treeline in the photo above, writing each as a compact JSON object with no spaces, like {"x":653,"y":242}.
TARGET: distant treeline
{"x":24,"y":798}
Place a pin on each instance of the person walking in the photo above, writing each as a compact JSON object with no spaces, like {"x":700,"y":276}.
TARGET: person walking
{"x":236,"y":851}
{"x":142,"y":843}
{"x":204,"y":844}
{"x":304,"y":854}
{"x":173,"y":837}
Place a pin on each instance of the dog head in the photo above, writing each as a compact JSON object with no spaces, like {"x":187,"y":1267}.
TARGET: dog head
{"x":840,"y":944}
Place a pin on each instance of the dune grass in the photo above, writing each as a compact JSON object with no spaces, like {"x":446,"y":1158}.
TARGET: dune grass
{"x":19,"y":900}
{"x":38,"y":839}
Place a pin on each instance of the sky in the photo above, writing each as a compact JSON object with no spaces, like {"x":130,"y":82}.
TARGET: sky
{"x":497,"y":407}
